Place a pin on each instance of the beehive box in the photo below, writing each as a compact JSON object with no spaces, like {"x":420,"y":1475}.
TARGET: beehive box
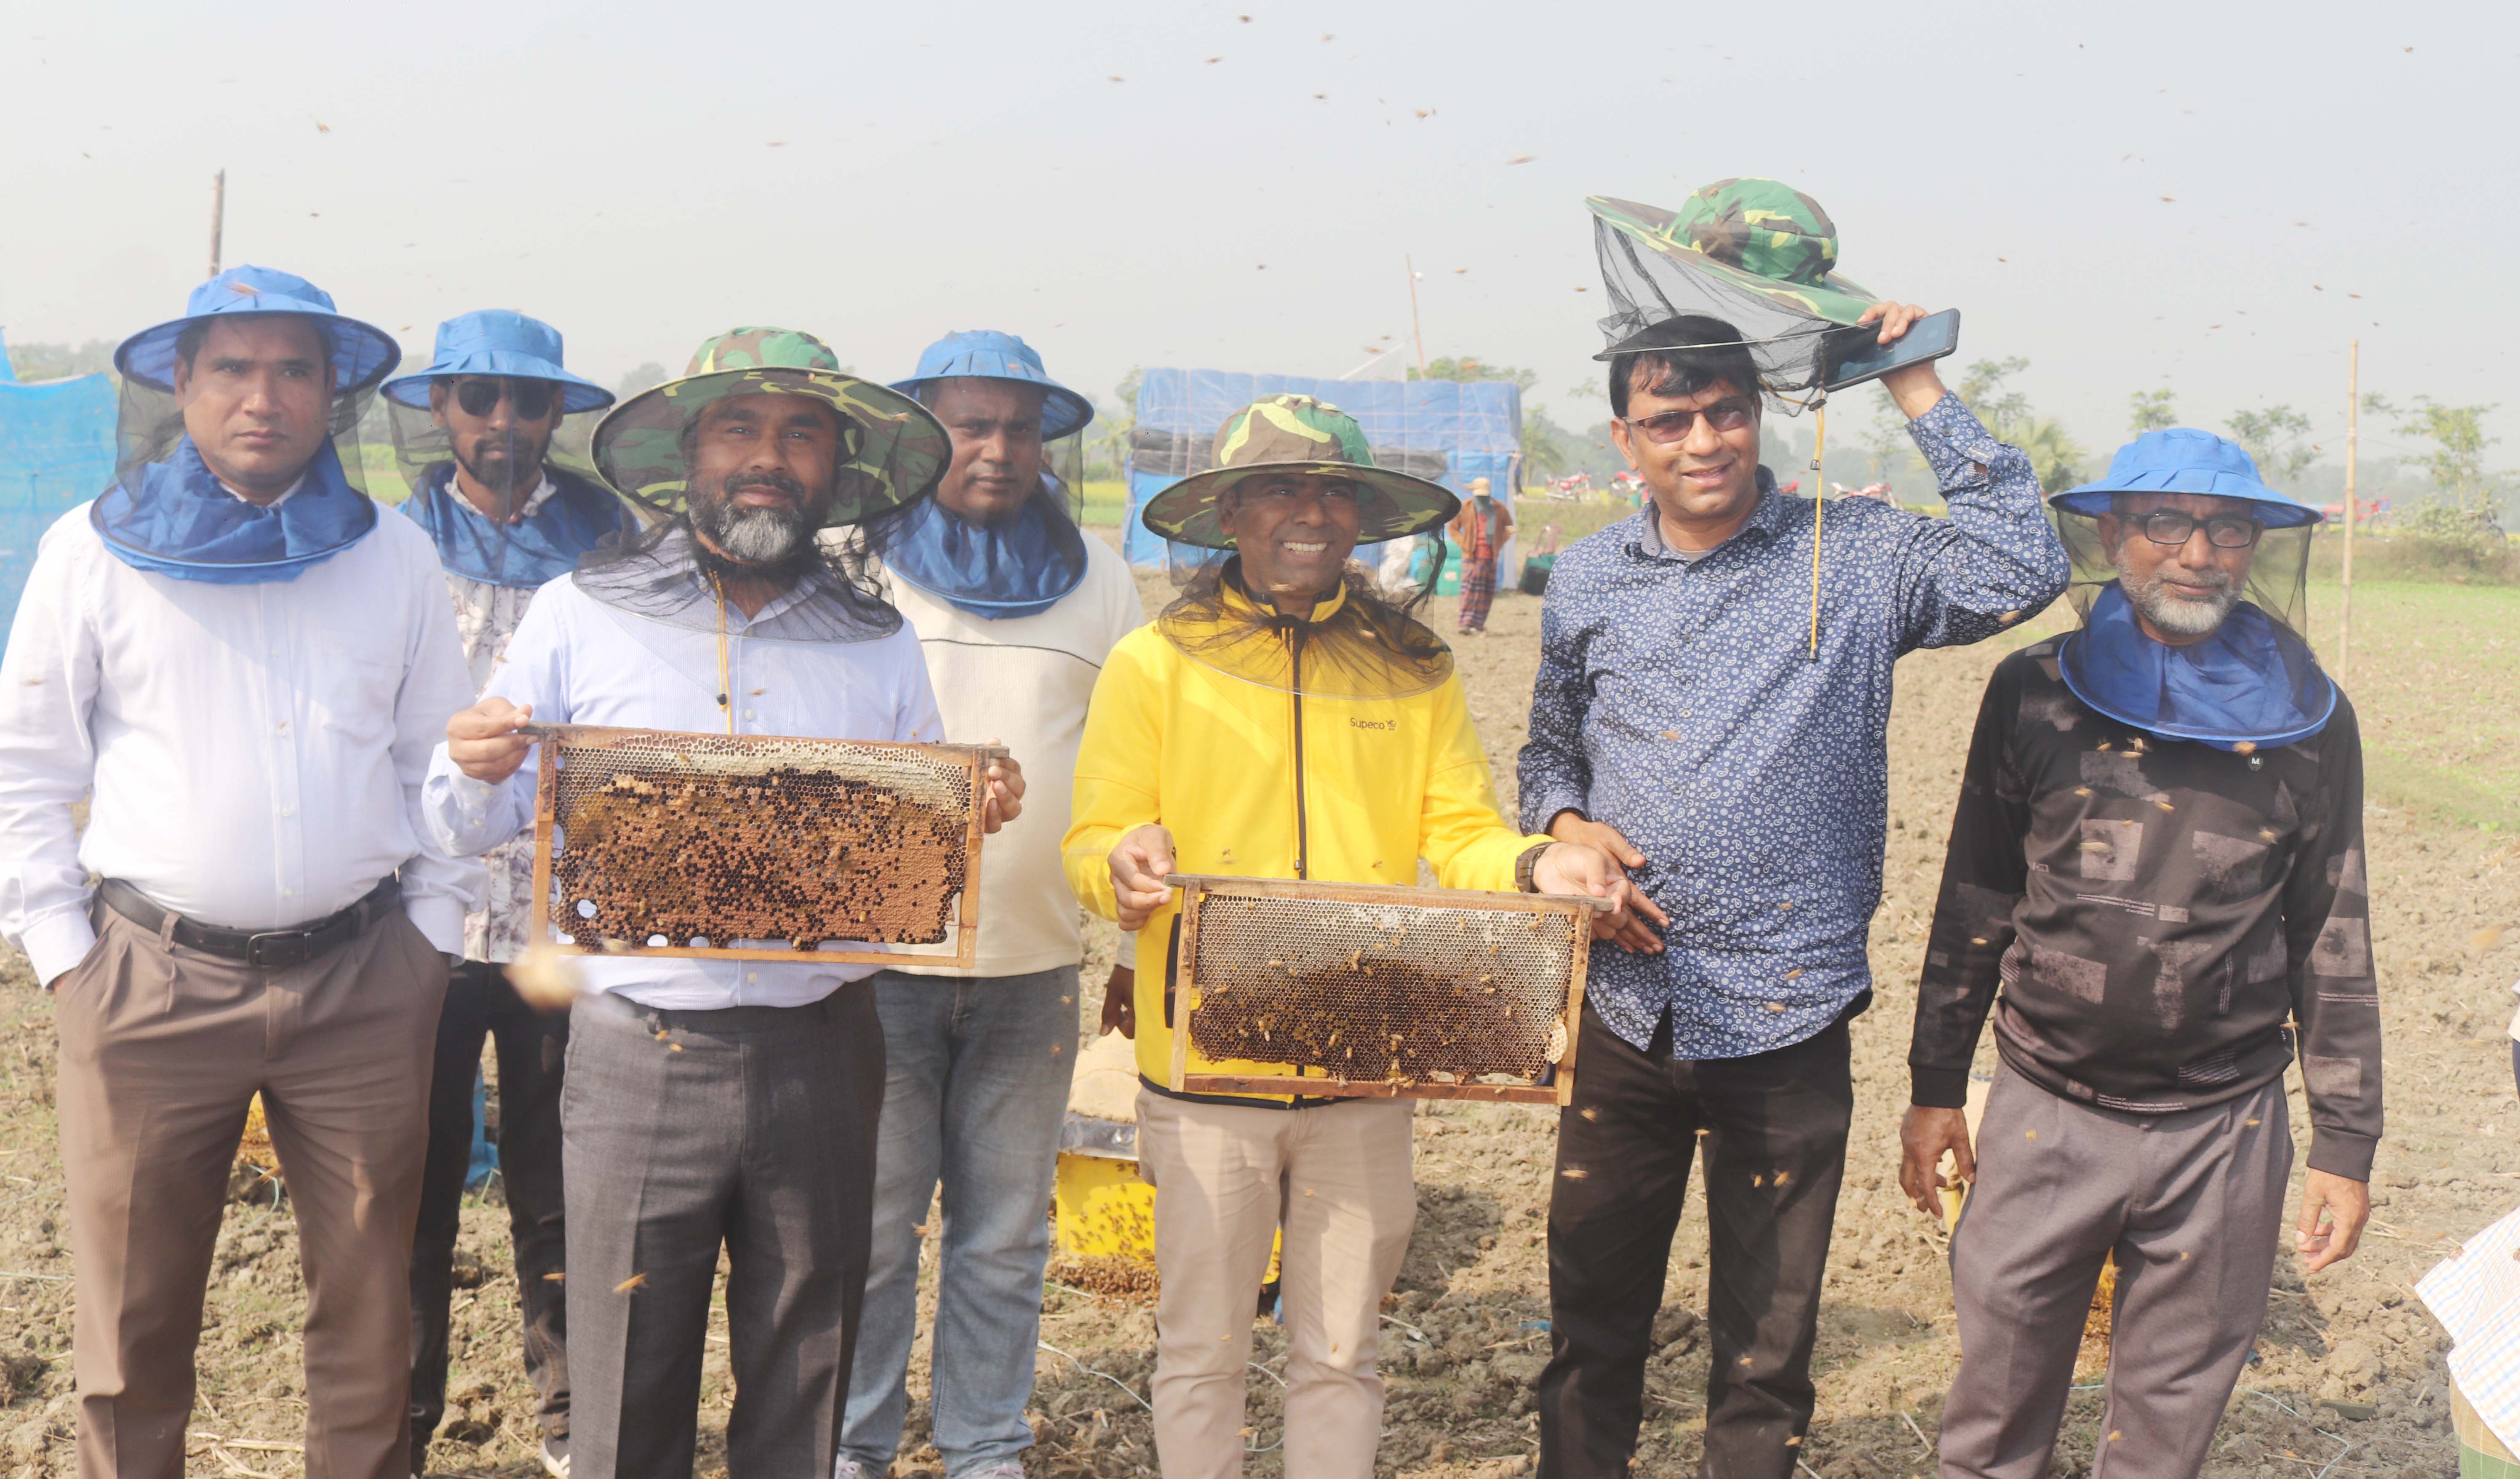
{"x":653,"y":842}
{"x":1376,"y":990}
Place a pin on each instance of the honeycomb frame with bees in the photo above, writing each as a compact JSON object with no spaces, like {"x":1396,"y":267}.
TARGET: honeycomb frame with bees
{"x":1380,"y":992}
{"x":655,"y":842}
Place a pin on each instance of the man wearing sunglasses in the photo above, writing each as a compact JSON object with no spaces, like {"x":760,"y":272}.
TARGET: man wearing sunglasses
{"x":1711,"y":709}
{"x":474,"y":434}
{"x":2156,"y":864}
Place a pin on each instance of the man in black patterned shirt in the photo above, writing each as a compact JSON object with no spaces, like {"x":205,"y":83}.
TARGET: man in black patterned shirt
{"x":2156,"y":882}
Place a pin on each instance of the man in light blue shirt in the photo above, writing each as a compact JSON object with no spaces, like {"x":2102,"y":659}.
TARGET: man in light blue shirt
{"x":711,"y":1102}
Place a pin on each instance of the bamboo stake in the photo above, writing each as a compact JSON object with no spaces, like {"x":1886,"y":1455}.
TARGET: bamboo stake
{"x":2353,"y":407}
{"x":1415,"y":331}
{"x":218,"y":216}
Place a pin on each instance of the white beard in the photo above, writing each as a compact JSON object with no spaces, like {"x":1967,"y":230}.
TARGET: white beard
{"x":2179,"y":616}
{"x":754,"y":535}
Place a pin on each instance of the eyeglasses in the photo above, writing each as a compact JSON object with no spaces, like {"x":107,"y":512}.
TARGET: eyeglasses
{"x":2223,"y":531}
{"x":1669,"y":426}
{"x":533,"y":398}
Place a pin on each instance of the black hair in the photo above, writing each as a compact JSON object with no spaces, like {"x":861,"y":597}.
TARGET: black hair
{"x":1698,"y":352}
{"x":190,"y":338}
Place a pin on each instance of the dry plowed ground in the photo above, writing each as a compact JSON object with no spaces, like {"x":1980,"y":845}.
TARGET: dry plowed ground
{"x":2348,"y":1378}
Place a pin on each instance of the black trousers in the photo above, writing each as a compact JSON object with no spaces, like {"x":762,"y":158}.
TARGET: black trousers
{"x":1775,"y":1130}
{"x":532,"y":1046}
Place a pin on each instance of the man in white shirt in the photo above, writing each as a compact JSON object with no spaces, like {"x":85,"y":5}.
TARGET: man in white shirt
{"x":242,"y":668}
{"x":1016,"y":608}
{"x":478,"y":434}
{"x":709,"y":1102}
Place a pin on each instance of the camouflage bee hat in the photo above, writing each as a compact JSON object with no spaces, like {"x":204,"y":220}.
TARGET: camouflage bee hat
{"x":1296,"y":434}
{"x":1756,"y":255}
{"x":895,"y":451}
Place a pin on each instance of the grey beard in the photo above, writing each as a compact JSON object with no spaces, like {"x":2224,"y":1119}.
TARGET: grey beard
{"x":2181,"y":619}
{"x":753,"y":535}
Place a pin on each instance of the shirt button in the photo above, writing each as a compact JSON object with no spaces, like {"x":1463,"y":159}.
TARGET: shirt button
{"x":289,"y":811}
{"x":752,"y":975}
{"x":289,"y":893}
{"x":747,"y":713}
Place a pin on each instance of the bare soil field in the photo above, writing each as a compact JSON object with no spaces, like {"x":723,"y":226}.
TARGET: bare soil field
{"x":2348,"y":1379}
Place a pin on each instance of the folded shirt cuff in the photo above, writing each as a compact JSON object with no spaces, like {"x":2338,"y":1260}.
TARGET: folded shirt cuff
{"x":440,"y":918}
{"x":1128,"y":957}
{"x":58,"y":941}
{"x":1540,"y":807}
{"x":1938,"y":1088}
{"x":1954,"y":442}
{"x":2341,"y":1152}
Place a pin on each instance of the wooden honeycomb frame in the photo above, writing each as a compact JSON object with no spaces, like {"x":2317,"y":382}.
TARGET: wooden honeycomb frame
{"x":959,"y":912}
{"x":1556,"y":1086}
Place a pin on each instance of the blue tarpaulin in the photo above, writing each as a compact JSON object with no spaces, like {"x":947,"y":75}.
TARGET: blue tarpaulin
{"x":1448,"y":431}
{"x":56,"y":453}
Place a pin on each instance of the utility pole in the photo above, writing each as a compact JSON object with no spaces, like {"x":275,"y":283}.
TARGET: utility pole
{"x":1415,"y":331}
{"x":2353,"y":512}
{"x":218,"y":216}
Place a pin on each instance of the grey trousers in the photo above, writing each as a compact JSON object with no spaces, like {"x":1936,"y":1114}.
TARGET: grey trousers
{"x":754,"y":1129}
{"x":2192,"y":1204}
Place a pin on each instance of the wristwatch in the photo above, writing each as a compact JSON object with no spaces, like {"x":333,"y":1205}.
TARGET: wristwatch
{"x":1526,"y":867}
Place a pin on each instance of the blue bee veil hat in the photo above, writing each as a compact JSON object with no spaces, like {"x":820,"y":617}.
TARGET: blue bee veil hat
{"x":1023,"y":563}
{"x":579,"y":512}
{"x":2254,"y":681}
{"x":168,"y":513}
{"x":498,"y":341}
{"x":989,"y":354}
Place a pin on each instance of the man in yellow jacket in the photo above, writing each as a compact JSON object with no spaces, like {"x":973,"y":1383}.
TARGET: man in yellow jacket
{"x":1285,"y":719}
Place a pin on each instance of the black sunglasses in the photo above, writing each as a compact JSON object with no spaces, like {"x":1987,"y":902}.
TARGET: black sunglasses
{"x":1675,"y":425}
{"x":533,"y":398}
{"x":2223,"y":531}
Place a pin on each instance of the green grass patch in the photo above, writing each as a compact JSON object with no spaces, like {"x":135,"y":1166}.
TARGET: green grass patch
{"x":2431,"y":673}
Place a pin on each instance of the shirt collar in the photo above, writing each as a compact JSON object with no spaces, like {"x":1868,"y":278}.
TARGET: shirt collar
{"x":1767,"y":515}
{"x":532,"y":506}
{"x":285,"y":494}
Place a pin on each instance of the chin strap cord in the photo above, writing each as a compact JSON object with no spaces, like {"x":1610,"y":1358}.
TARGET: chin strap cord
{"x":725,"y":688}
{"x":1820,"y":503}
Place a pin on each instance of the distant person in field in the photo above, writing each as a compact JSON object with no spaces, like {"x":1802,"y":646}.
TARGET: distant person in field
{"x":241,"y":666}
{"x":1285,"y":719}
{"x":1686,"y":720}
{"x":2156,"y":867}
{"x":476,"y":432}
{"x":1015,"y":608}
{"x":1480,"y":531}
{"x":715,"y":1106}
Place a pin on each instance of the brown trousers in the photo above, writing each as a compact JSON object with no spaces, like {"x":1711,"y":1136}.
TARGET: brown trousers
{"x":162,"y":1048}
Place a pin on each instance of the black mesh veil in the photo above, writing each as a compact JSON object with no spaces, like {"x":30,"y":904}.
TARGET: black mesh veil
{"x":1370,"y":645}
{"x":664,"y":574}
{"x":2277,"y":583}
{"x":1794,"y":334}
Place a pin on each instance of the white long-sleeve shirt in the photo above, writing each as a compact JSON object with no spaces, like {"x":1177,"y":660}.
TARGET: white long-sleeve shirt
{"x":577,"y":660}
{"x":253,"y":755}
{"x":1025,"y":682}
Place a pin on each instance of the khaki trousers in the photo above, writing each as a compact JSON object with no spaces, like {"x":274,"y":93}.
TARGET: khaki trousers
{"x":161,"y":1050}
{"x":1337,"y":1178}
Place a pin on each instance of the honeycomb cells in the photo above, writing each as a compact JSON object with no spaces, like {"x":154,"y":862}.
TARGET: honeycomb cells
{"x":668,"y":839}
{"x":1382,"y":992}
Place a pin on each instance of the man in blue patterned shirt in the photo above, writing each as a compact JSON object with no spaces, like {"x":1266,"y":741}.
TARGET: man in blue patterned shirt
{"x":1711,"y":709}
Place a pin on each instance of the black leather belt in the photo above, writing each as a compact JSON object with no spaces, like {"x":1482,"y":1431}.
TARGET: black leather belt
{"x":262,"y":949}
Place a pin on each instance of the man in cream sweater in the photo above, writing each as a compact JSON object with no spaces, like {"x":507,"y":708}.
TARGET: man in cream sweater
{"x":1016,"y":608}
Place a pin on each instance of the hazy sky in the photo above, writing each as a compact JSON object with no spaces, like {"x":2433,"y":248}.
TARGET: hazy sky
{"x":2126,"y":195}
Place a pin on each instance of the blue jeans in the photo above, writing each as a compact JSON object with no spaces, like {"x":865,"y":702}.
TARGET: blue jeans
{"x":977,"y":1079}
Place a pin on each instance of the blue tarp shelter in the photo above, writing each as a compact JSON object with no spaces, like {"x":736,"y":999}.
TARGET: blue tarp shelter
{"x":1448,"y":431}
{"x":56,"y":452}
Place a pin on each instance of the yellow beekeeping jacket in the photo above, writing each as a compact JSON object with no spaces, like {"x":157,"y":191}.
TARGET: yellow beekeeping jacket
{"x":1260,"y":779}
